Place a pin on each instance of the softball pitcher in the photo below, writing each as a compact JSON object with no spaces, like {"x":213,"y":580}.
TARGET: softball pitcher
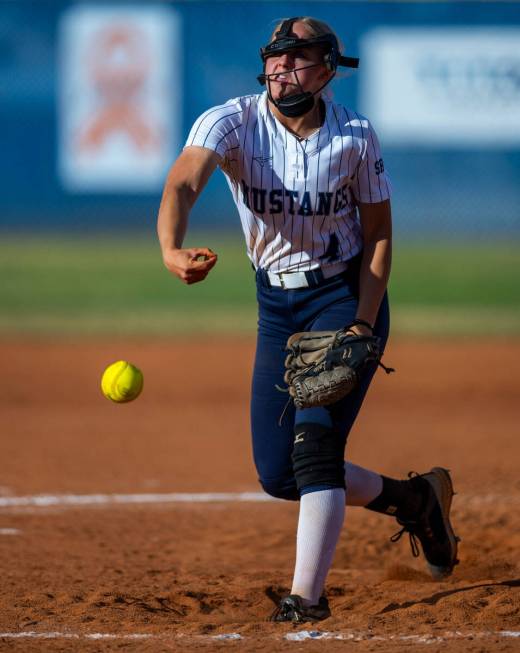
{"x":313,"y":195}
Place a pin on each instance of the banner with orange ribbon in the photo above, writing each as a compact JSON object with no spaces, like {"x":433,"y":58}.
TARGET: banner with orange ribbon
{"x":119,"y":110}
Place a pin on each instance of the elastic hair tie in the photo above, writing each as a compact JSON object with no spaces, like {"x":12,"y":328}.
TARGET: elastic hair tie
{"x":362,"y":323}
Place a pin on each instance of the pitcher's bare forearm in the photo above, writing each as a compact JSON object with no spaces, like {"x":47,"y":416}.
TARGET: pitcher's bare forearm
{"x":185,"y":181}
{"x":172,"y":222}
{"x":377,"y":258}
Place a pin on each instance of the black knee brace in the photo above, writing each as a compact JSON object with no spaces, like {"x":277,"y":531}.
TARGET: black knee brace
{"x":318,"y":456}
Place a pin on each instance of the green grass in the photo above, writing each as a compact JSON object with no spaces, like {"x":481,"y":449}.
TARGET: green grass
{"x":457,"y":275}
{"x":105,"y":285}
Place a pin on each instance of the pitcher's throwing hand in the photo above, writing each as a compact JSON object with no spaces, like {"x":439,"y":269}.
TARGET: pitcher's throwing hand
{"x":190,"y":265}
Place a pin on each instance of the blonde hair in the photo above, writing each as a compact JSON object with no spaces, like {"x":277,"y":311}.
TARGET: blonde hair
{"x":314,"y":26}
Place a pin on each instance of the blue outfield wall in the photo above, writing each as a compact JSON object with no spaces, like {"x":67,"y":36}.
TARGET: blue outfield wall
{"x":451,"y":189}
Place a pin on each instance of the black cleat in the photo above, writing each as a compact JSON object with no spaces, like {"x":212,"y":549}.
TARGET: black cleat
{"x":291,"y":608}
{"x":431,"y":525}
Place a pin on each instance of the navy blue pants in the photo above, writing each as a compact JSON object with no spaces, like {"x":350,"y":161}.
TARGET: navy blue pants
{"x":330,"y":306}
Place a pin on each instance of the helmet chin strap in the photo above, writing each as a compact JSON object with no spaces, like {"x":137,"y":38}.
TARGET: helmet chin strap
{"x":294,"y":106}
{"x":298,"y":104}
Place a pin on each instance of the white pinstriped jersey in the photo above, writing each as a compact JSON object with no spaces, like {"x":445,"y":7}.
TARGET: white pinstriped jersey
{"x":296,"y":197}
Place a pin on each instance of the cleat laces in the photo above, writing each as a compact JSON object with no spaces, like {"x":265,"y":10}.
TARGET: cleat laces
{"x":407,"y":528}
{"x":411,"y":527}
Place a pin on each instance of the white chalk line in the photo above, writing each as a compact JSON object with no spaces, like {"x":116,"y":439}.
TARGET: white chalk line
{"x":79,"y":500}
{"x":427,"y":638}
{"x":87,"y":500}
{"x":10,"y":531}
{"x":302,"y":635}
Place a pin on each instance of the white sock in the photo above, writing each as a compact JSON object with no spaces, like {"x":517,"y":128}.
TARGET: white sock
{"x":363,"y":485}
{"x":321,"y":519}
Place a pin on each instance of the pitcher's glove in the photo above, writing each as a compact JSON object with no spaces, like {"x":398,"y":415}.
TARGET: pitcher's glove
{"x":324,"y":366}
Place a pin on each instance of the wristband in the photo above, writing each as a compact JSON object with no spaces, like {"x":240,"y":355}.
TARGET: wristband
{"x":362,"y":323}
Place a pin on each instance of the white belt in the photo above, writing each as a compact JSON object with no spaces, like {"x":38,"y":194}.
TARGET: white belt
{"x":293,"y":280}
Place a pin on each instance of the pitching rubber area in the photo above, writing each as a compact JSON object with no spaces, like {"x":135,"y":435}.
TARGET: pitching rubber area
{"x":141,"y":526}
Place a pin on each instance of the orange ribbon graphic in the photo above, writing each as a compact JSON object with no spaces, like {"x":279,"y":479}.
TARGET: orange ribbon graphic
{"x":119,"y":71}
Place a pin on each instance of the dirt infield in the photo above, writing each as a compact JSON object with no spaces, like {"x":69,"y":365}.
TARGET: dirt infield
{"x":181,"y":576}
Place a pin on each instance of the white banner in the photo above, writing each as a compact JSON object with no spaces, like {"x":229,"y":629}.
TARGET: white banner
{"x":120,"y":97}
{"x":452,"y":87}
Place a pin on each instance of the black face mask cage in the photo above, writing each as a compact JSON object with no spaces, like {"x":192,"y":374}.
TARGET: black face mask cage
{"x":301,"y":103}
{"x":263,"y":78}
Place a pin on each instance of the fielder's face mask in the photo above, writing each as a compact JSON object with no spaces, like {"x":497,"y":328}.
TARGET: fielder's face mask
{"x":301,"y":103}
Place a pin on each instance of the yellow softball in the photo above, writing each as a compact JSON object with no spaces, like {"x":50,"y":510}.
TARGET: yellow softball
{"x":122,"y":382}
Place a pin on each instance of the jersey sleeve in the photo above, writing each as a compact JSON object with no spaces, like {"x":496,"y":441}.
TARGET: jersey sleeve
{"x":372,"y":184}
{"x":217,"y":128}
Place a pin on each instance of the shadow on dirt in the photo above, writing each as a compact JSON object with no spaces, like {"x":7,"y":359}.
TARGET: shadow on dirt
{"x":432,"y":600}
